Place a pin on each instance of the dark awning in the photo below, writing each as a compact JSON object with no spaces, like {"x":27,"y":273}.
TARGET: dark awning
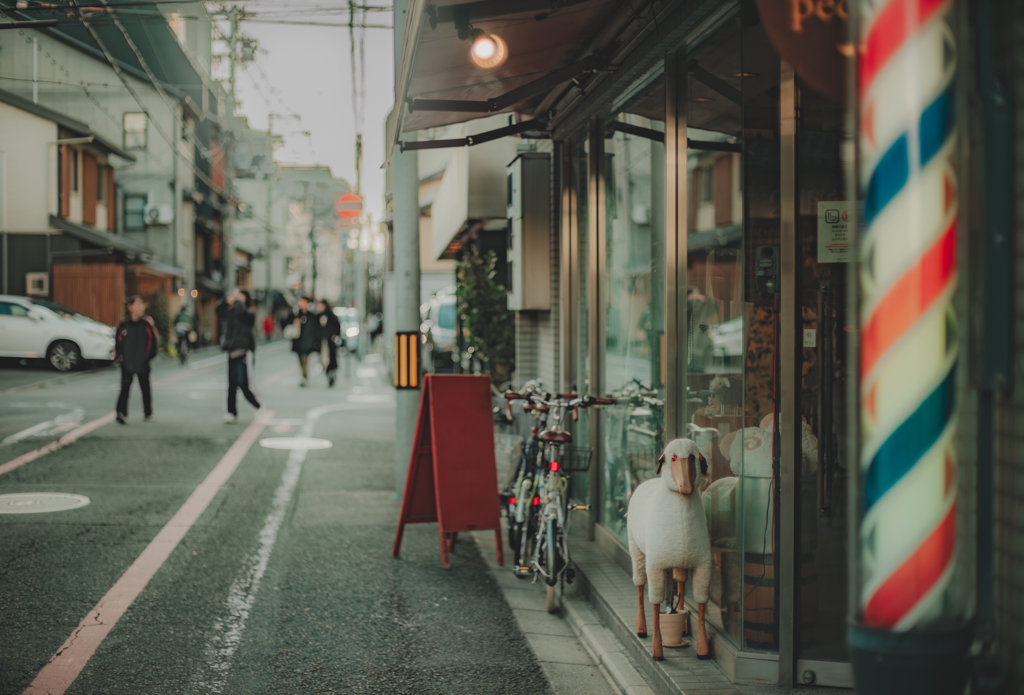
{"x":101,"y":239}
{"x":542,"y":36}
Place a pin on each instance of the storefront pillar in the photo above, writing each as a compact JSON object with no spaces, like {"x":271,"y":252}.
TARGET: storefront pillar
{"x":675,"y":246}
{"x":787,"y":412}
{"x":595,"y":268}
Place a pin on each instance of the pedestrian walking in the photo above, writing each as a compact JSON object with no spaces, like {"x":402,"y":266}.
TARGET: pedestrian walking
{"x":330,"y":333}
{"x":268,"y":327}
{"x":135,"y":345}
{"x":304,"y":332}
{"x":237,"y":320}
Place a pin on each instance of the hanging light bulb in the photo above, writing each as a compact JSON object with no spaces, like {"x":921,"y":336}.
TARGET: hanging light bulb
{"x":487,"y":50}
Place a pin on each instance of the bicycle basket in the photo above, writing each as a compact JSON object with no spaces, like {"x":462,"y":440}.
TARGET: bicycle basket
{"x":576,"y":459}
{"x":643,"y":461}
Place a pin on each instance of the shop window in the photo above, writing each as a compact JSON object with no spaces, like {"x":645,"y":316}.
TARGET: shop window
{"x":101,"y":183}
{"x":719,"y":336}
{"x":135,"y":131}
{"x":633,"y":302}
{"x":74,"y":170}
{"x":135,"y":211}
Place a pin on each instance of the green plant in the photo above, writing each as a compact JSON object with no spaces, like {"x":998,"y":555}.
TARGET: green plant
{"x":161,"y":316}
{"x":483,"y":309}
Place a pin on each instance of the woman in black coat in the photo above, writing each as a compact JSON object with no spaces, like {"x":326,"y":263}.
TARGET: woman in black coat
{"x":330,"y":333}
{"x":308,"y":339}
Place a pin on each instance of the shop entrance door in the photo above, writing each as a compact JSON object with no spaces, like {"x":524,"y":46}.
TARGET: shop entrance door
{"x":824,"y":229}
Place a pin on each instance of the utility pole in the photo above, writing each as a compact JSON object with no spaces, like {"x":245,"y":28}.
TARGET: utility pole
{"x":407,"y":263}
{"x":229,"y":158}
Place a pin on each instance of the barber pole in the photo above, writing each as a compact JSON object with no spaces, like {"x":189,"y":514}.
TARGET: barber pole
{"x":909,"y":341}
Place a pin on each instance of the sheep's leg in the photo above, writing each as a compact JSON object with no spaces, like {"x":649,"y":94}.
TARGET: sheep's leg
{"x":658,"y":655}
{"x":641,"y":616}
{"x":702,"y":635}
{"x":680,"y":576}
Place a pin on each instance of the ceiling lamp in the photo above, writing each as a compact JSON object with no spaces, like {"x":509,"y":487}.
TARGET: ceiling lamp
{"x":487,"y":50}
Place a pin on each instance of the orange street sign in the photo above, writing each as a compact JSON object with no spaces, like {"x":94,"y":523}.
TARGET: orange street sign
{"x":348,"y":206}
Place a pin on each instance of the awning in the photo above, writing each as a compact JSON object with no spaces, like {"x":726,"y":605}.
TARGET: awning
{"x":156,"y":268}
{"x":543,"y":37}
{"x":566,"y":58}
{"x":209,"y":284}
{"x":101,"y":239}
{"x":70,"y":124}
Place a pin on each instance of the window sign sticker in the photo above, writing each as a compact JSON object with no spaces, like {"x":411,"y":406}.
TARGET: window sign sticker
{"x":836,"y":226}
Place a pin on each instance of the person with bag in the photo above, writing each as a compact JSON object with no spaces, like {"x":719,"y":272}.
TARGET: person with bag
{"x":134,"y":346}
{"x":304,"y":333}
{"x":330,"y":333}
{"x":237,"y":320}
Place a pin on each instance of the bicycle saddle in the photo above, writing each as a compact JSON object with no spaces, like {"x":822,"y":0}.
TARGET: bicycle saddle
{"x":555,"y":436}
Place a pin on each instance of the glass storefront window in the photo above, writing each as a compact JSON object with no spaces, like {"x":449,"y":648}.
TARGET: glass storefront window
{"x":633,"y":302}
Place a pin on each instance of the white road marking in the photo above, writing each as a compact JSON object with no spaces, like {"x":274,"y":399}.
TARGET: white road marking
{"x":228,"y":630}
{"x":57,"y":425}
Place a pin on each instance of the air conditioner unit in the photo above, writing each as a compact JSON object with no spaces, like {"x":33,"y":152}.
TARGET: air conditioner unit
{"x":159,"y":214}
{"x":37,"y":284}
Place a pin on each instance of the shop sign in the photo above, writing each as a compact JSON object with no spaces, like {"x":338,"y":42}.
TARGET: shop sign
{"x":813,"y":35}
{"x":836,"y":226}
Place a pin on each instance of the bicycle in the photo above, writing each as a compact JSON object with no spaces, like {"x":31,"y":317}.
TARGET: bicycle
{"x":551,"y":558}
{"x":518,"y":498}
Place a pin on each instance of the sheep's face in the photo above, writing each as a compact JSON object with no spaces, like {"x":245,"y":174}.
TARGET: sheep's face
{"x":679,"y":468}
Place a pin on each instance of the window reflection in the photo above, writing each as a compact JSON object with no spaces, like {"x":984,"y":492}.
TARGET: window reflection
{"x":633,"y":302}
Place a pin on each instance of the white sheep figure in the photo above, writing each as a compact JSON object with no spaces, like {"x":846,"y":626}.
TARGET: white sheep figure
{"x":667,"y":531}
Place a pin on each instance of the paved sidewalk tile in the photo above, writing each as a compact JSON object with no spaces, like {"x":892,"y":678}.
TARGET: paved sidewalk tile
{"x":553,"y":648}
{"x":542,"y":623}
{"x":570,"y":679}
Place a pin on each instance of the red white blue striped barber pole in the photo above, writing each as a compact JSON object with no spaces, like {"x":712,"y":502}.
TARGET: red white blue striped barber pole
{"x":908,"y":326}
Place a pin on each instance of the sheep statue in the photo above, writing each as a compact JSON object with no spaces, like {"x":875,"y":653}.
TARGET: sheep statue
{"x":667,"y":531}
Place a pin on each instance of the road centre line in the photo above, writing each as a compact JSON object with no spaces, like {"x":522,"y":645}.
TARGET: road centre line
{"x":228,"y":631}
{"x":67,"y":663}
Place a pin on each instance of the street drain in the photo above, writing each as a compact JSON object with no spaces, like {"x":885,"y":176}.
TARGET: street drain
{"x":295,"y":443}
{"x":39,"y":502}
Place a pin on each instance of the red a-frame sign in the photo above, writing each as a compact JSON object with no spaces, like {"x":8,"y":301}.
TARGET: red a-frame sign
{"x":452,"y":477}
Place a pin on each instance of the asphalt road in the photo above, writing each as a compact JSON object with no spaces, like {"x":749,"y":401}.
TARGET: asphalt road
{"x":284,"y":582}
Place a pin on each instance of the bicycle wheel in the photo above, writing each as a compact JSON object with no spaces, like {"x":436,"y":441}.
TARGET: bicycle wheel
{"x":552,"y":562}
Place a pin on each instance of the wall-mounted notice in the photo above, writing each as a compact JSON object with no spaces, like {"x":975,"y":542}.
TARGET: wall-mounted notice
{"x":836,"y":226}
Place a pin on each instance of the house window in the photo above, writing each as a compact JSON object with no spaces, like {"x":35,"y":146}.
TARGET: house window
{"x":74,"y":169}
{"x":135,"y":131}
{"x":135,"y":211}
{"x":101,"y":183}
{"x":706,"y":185}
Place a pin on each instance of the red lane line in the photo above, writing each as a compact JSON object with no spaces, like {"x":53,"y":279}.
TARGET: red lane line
{"x":69,"y":438}
{"x":65,"y":666}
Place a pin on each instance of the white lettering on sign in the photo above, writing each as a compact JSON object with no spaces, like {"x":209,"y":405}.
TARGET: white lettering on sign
{"x":836,"y":227}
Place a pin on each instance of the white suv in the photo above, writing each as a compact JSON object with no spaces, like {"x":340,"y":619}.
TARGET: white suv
{"x":32,"y":330}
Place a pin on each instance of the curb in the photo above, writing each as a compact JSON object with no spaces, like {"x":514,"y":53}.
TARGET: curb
{"x":604,"y":647}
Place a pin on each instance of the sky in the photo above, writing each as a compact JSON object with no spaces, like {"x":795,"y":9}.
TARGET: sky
{"x":306,"y":71}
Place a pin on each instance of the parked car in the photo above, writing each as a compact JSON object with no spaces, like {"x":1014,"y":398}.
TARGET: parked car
{"x":30,"y":329}
{"x":348,"y":317}
{"x":438,"y":330}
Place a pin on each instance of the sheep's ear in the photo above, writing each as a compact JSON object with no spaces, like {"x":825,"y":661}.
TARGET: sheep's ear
{"x":661,"y":462}
{"x":703,"y":465}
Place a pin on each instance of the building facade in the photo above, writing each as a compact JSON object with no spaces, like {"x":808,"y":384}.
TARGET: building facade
{"x":727,"y":231}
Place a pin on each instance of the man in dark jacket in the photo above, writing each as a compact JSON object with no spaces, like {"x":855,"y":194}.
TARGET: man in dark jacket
{"x":237,"y":320}
{"x":134,"y":347}
{"x":309,"y":336}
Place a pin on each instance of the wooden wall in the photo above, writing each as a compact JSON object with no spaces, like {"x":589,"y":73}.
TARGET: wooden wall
{"x":96,"y":290}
